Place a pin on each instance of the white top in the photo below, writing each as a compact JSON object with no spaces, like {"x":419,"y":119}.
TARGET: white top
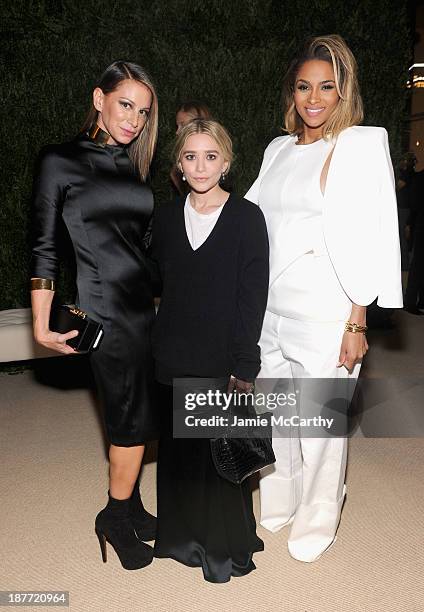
{"x":199,"y":226}
{"x":291,"y":197}
{"x":359,"y":219}
{"x":306,"y":287}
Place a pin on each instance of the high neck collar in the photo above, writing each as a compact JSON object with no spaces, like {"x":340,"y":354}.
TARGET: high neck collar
{"x":98,"y":136}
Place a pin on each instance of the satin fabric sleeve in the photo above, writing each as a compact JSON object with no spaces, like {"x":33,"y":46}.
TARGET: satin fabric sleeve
{"x":252,"y":294}
{"x":47,"y":203}
{"x":390,"y":286}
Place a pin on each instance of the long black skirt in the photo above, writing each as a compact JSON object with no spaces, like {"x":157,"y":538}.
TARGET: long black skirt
{"x":203,"y":520}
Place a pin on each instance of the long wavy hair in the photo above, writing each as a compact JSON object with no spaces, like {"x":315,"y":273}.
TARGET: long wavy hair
{"x":349,"y":110}
{"x":141,"y":150}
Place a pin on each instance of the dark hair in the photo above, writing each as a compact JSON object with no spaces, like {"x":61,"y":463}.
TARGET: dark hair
{"x":200,"y":110}
{"x":141,"y":150}
{"x":334,"y":50}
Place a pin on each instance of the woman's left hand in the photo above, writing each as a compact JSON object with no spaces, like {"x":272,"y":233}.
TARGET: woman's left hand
{"x":354,"y":346}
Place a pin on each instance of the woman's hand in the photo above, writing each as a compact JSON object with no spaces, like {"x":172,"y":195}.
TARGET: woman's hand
{"x":41,"y":302}
{"x":55,"y":341}
{"x":240,"y":386}
{"x":354,"y":346}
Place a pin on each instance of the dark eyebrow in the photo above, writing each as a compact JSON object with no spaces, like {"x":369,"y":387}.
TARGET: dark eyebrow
{"x":128,"y":100}
{"x":321,"y":82}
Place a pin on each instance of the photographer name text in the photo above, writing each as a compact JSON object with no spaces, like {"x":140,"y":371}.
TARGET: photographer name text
{"x":258,"y":421}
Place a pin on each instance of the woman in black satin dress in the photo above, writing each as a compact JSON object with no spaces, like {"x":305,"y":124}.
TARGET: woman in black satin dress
{"x":96,"y":185}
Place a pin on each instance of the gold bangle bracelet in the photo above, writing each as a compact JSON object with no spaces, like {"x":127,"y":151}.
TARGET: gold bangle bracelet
{"x":355,"y":328}
{"x":42,"y":283}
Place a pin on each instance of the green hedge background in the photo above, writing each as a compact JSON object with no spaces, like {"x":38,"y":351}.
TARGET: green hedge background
{"x":230,"y":53}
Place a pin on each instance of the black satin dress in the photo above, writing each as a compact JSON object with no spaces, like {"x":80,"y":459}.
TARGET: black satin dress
{"x":106,"y":209}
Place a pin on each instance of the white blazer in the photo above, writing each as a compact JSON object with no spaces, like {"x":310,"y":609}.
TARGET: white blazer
{"x":360,"y":224}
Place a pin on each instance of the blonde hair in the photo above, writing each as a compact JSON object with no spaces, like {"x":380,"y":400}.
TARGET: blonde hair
{"x":204,"y":126}
{"x":349,"y":110}
{"x":198,"y":110}
{"x":141,"y":150}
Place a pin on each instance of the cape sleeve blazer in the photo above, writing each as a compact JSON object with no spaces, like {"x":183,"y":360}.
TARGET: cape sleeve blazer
{"x":359,"y":218}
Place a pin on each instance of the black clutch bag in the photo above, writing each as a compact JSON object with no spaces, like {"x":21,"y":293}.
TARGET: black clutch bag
{"x":236,"y":459}
{"x":65,"y":318}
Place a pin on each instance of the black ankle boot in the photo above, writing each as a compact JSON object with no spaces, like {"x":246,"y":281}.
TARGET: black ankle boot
{"x":144,"y":522}
{"x":114,"y":524}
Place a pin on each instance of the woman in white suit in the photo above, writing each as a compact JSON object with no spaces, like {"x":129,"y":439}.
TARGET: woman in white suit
{"x":328,"y":196}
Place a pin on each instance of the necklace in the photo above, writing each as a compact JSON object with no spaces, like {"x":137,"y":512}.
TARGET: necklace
{"x":98,"y":136}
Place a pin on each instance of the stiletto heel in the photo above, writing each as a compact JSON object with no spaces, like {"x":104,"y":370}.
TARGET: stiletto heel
{"x":102,"y":542}
{"x":114,"y":525}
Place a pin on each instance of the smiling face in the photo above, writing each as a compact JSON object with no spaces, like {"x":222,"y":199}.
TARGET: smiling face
{"x":202,"y":162}
{"x":123,"y":112}
{"x":315,"y":96}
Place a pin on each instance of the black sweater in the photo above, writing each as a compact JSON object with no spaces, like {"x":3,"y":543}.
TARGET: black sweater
{"x":213,"y":299}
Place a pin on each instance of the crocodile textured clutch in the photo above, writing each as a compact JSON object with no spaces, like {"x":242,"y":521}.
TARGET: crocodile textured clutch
{"x":236,"y":459}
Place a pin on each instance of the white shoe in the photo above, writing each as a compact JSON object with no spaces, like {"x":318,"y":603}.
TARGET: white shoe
{"x":315,"y":558}
{"x":273,"y":525}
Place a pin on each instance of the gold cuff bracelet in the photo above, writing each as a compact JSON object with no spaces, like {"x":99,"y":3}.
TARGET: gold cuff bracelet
{"x":42,"y":283}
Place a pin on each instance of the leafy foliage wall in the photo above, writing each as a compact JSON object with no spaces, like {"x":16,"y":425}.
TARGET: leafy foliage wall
{"x":231,"y":54}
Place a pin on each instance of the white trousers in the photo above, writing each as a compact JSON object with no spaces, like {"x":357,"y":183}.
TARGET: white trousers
{"x":305,"y":486}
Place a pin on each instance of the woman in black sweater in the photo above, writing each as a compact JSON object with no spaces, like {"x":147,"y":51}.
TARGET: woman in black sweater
{"x":212,"y":252}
